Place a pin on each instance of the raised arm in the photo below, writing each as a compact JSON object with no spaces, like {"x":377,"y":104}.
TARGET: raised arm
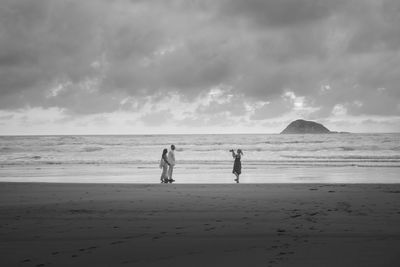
{"x":233,"y":154}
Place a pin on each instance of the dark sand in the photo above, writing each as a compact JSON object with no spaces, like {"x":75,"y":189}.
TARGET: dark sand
{"x":199,"y":225}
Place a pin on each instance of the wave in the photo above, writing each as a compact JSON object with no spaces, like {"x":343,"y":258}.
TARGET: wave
{"x":347,"y":148}
{"x":295,"y":142}
{"x":182,"y":163}
{"x":92,"y":149}
{"x":8,"y":150}
{"x":348,"y":157}
{"x":193,"y":150}
{"x":282,"y":149}
{"x":18,"y":159}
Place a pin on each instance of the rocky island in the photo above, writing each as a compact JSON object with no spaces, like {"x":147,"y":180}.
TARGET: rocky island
{"x":305,"y":127}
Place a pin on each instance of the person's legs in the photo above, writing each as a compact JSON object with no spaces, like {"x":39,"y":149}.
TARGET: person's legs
{"x":170,"y":171}
{"x":237,"y":177}
{"x":164,"y":175}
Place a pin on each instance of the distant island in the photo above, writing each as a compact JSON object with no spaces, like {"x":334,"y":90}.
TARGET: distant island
{"x":305,"y":127}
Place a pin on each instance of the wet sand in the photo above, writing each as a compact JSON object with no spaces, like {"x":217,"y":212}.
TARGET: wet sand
{"x":199,"y":225}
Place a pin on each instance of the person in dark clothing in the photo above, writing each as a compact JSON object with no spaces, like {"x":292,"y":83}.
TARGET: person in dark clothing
{"x":237,"y":165}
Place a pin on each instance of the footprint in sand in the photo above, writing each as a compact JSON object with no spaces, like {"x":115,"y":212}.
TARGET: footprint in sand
{"x":165,"y":258}
{"x":117,"y":242}
{"x":129,"y":262}
{"x":344,"y":206}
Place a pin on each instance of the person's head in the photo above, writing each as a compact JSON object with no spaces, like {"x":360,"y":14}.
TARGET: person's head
{"x":172,"y":147}
{"x":239,"y":151}
{"x":165,"y":151}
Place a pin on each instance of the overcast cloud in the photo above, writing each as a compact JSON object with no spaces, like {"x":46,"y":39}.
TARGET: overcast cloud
{"x":164,"y":66}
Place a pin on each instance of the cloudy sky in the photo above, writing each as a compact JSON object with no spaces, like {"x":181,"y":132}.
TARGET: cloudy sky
{"x":198,"y":66}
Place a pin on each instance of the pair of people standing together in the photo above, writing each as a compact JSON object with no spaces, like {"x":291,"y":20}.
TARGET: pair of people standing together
{"x":167,"y":164}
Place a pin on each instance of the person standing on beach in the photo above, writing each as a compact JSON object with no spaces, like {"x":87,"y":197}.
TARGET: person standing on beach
{"x":164,"y":166}
{"x":171,"y":160}
{"x":237,"y":165}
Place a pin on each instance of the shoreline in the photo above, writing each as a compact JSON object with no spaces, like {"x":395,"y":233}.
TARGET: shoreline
{"x":156,"y":183}
{"x":128,"y":174}
{"x":82,"y":224}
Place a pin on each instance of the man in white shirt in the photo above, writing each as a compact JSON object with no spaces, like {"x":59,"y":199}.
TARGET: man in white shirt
{"x":171,"y":160}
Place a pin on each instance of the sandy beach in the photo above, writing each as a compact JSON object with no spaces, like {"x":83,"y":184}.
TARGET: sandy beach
{"x":44,"y":224}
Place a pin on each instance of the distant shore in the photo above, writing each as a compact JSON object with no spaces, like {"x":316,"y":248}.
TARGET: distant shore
{"x":48,"y":224}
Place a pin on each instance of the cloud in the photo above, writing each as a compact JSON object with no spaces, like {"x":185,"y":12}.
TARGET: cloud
{"x":271,"y":109}
{"x":284,"y":13}
{"x":94,"y":57}
{"x":157,"y":118}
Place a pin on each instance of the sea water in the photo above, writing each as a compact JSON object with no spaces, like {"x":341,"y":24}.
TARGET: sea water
{"x":268,"y":158}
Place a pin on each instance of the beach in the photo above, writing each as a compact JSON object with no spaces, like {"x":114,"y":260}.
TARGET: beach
{"x":76,"y":224}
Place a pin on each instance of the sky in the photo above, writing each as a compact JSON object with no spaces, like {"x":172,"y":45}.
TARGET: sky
{"x":198,"y":66}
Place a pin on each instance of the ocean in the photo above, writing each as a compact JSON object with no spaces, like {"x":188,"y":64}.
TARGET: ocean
{"x":268,"y":158}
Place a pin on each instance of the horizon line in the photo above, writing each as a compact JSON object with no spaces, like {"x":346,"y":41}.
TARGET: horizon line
{"x":144,"y":134}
